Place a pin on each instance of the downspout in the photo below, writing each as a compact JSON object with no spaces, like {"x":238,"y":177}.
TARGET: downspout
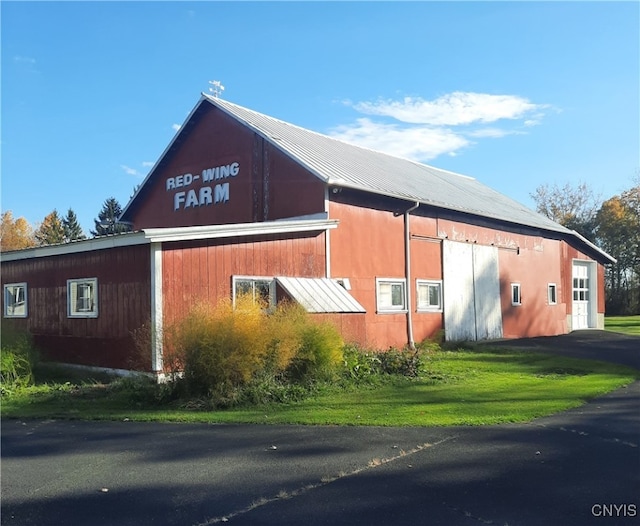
{"x":407,"y":272}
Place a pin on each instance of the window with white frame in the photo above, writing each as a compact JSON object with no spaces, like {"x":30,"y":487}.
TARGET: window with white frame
{"x":516,"y":298}
{"x":429,"y":294}
{"x":261,"y":289}
{"x":15,"y":300}
{"x":82,"y":298}
{"x":552,"y":292}
{"x":390,"y":295}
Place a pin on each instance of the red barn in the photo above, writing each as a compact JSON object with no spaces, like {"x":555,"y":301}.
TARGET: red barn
{"x":392,"y":251}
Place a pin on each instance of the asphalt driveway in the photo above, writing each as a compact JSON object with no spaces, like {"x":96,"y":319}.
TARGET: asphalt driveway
{"x":591,"y":344}
{"x":579,"y":467}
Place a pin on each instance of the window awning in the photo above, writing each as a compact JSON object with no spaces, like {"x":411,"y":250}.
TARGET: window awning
{"x":319,"y":294}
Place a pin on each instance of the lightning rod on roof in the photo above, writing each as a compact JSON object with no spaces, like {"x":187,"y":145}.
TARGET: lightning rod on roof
{"x":217,"y":88}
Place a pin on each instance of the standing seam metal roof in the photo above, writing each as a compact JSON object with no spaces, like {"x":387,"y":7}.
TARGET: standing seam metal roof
{"x":347,"y":165}
{"x":320,"y":294}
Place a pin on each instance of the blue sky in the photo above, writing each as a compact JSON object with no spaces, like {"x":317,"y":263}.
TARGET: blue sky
{"x":514,"y":94}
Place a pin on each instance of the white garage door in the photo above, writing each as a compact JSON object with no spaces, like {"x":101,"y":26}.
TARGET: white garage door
{"x":472,"y":309}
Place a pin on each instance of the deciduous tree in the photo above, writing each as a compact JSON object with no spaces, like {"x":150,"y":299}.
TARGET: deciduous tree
{"x":51,"y":230}
{"x":618,"y":233}
{"x":574,"y":207}
{"x":15,"y":234}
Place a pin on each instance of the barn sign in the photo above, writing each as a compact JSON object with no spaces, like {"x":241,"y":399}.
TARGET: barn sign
{"x":204,"y":195}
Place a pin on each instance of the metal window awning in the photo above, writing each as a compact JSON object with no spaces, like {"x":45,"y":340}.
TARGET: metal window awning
{"x":319,"y":294}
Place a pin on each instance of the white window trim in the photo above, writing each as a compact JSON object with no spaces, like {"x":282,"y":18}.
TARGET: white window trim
{"x":6,"y":302}
{"x":71,"y":311}
{"x":551,"y":286}
{"x":515,"y":286}
{"x":270,"y":279}
{"x":428,"y":283}
{"x":392,"y":309}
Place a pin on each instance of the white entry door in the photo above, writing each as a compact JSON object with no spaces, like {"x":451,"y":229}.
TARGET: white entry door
{"x":472,"y":308}
{"x":582,"y":296}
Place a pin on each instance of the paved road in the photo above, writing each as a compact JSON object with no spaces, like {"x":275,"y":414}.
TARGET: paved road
{"x":576,"y":468}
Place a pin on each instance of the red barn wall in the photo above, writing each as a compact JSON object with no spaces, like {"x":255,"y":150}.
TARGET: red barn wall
{"x":203,"y":270}
{"x":268,"y":184}
{"x":124,"y":300}
{"x":369,"y":243}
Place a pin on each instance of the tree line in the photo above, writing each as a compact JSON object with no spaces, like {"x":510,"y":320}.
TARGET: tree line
{"x":17,"y":233}
{"x":613,"y":225}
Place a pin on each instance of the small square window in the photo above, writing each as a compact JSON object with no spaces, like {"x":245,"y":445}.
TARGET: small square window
{"x":15,"y":300}
{"x":261,"y":289}
{"x":552,"y":297}
{"x":516,"y":298}
{"x":390,"y":295}
{"x":429,"y":295}
{"x":82,"y":298}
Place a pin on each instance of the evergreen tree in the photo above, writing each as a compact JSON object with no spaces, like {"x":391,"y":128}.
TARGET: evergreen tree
{"x":51,"y":230}
{"x":72,"y":229}
{"x":107,"y":222}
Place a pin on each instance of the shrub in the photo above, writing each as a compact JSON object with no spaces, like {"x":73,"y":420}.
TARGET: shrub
{"x":405,"y":362}
{"x":245,"y":353}
{"x":320,"y":353}
{"x":17,"y":360}
{"x":221,"y":348}
{"x":284,"y":327}
{"x":364,"y":365}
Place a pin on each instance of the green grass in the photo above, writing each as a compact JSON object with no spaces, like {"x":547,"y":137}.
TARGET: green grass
{"x":487,"y":386}
{"x":624,"y":324}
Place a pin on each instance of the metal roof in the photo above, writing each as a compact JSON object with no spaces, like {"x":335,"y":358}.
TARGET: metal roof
{"x":188,"y":233}
{"x":341,"y":164}
{"x":320,"y":294}
{"x":346,"y":165}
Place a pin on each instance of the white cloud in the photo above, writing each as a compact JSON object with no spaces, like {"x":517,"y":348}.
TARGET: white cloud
{"x":130,"y":171}
{"x":492,"y":133}
{"x":415,"y":142}
{"x":422,"y":130}
{"x":148,"y":164}
{"x":176,"y":127}
{"x":452,"y":109}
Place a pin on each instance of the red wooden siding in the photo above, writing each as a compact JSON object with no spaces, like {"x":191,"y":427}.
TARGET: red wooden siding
{"x":290,"y":189}
{"x":123,"y":305}
{"x":369,"y":243}
{"x":268,"y":185}
{"x":202,"y":271}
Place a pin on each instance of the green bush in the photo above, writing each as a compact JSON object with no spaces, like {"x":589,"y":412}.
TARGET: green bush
{"x":319,"y":354}
{"x":360,"y":365}
{"x":17,"y":360}
{"x":404,"y":362}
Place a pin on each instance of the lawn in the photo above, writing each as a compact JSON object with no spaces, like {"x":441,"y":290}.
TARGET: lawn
{"x":624,"y":324}
{"x":462,"y":387}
